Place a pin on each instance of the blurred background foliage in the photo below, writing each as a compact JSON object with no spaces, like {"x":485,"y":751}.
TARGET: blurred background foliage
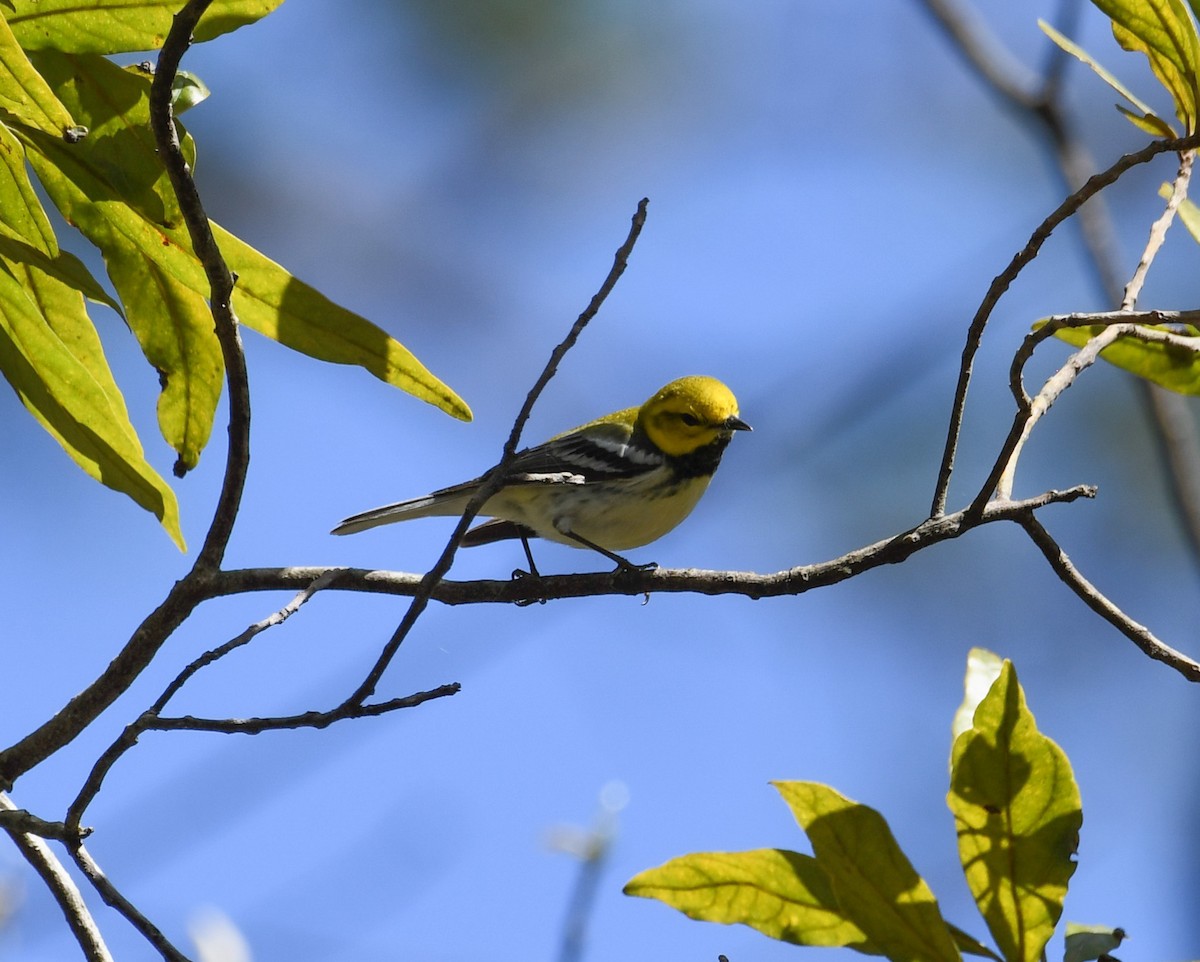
{"x":831,"y":192}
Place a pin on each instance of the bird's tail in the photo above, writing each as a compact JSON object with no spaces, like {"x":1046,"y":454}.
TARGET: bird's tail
{"x":449,"y":502}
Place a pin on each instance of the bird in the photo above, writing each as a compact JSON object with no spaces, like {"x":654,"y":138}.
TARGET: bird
{"x":615,"y":483}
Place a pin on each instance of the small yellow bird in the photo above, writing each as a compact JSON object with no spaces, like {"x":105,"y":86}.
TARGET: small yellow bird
{"x":615,"y":483}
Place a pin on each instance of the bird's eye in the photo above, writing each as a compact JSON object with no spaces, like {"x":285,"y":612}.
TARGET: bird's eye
{"x":689,"y":419}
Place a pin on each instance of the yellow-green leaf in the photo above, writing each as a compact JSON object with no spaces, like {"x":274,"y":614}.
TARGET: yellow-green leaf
{"x":21,"y":212}
{"x":1142,"y":116}
{"x":782,"y":894}
{"x":1017,"y":810}
{"x":1164,"y":31}
{"x":119,"y":26}
{"x":983,"y":668}
{"x":873,"y":881}
{"x":969,"y":945}
{"x":51,"y":355}
{"x":24,"y":95}
{"x":113,"y":189}
{"x":271,"y":301}
{"x":1189,"y":213}
{"x":1174,"y":367}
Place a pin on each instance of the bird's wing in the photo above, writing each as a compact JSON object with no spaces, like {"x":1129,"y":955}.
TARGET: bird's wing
{"x":604,"y":451}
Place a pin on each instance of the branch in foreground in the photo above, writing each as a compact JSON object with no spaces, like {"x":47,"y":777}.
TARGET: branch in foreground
{"x":791,"y":581}
{"x":62,"y":887}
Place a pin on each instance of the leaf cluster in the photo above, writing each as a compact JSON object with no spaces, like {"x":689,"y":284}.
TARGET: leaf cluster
{"x":1017,"y":812}
{"x":80,"y":123}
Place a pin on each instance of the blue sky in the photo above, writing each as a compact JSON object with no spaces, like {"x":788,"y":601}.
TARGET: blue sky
{"x":831,"y":192}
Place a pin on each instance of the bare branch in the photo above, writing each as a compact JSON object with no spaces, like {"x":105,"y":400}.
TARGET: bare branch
{"x":310,"y":719}
{"x":791,"y":581}
{"x":220,"y":280}
{"x":22,"y":828}
{"x":113,"y":897}
{"x":1158,"y":230}
{"x":1139,"y":634}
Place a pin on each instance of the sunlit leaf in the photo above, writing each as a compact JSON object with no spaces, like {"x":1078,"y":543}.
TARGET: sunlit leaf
{"x":1087,"y":942}
{"x":51,"y":355}
{"x":119,"y":26}
{"x":873,"y":881}
{"x":21,"y":212}
{"x":1141,"y":116}
{"x":187,"y":90}
{"x":1164,"y":31}
{"x":1174,"y":367}
{"x":24,"y":96}
{"x":782,"y":894}
{"x":112,"y":187}
{"x":983,"y":668}
{"x":1018,"y":814}
{"x":271,"y":301}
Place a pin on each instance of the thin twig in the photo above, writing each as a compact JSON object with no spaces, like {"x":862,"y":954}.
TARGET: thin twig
{"x":62,"y":887}
{"x":1093,"y":185}
{"x":220,"y":280}
{"x":494,"y":478}
{"x":112,"y":896}
{"x":1139,"y":634}
{"x":1158,"y":230}
{"x":130,"y":734}
{"x":309,"y":719}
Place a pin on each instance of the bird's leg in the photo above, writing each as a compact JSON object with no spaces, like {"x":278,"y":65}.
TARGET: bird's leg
{"x":623,"y":564}
{"x":533,"y":572}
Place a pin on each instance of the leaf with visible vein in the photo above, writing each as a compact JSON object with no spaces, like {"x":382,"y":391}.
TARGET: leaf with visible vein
{"x":24,"y":94}
{"x":1141,"y":116}
{"x":51,"y":355}
{"x":875,"y":885}
{"x":1018,"y":814}
{"x":1168,"y":365}
{"x":782,"y":894}
{"x":1164,"y":31}
{"x":119,"y":26}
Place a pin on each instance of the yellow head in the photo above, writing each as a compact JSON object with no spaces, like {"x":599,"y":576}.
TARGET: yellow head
{"x":689,"y":414}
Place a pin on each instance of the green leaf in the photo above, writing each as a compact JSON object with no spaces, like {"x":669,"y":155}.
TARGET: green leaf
{"x":1018,"y":813}
{"x":969,"y":945}
{"x":983,"y":668}
{"x":119,"y":26}
{"x":1087,"y":942}
{"x":21,"y":213}
{"x":51,"y":355}
{"x":187,"y":90}
{"x":1164,"y":31}
{"x":112,"y":187}
{"x":782,"y":894}
{"x":269,"y":300}
{"x":1144,"y":117}
{"x":873,"y":881}
{"x":24,"y":95}
{"x":1167,"y":365}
